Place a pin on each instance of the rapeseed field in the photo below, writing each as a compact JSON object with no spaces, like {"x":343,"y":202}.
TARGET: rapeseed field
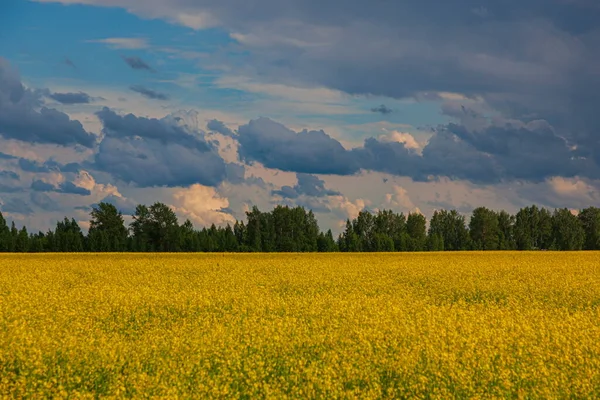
{"x":431,"y":325}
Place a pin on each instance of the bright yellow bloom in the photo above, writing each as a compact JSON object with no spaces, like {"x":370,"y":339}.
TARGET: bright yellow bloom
{"x":445,"y":325}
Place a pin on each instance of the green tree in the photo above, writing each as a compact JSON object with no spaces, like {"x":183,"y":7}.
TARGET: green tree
{"x":590,"y":220}
{"x":22,"y":244}
{"x":416,"y":233}
{"x":568,"y":231}
{"x":326,"y":243}
{"x":155,"y":228}
{"x":254,"y":230}
{"x":451,"y":227}
{"x":67,"y":236}
{"x":14,"y":235}
{"x":533,"y":229}
{"x":4,"y":234}
{"x":484,"y":229}
{"x":107,"y":229}
{"x":141,"y":229}
{"x":506,"y":238}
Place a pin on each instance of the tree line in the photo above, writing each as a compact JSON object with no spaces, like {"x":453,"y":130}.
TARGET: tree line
{"x":156,"y":228}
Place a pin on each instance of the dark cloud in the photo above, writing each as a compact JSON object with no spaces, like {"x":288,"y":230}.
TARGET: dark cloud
{"x":41,"y":186}
{"x":9,"y":189}
{"x":71,"y":188}
{"x":15,"y":206}
{"x":152,"y":152}
{"x":235,"y":173}
{"x":524,"y":60}
{"x":276,"y":146}
{"x":149,"y":93}
{"x":10,"y":175}
{"x":44,"y":201}
{"x":382,"y":109}
{"x":65,"y":187}
{"x":4,"y":156}
{"x":137,"y":63}
{"x":19,"y":119}
{"x":308,"y":185}
{"x":47,"y":166}
{"x":71,"y":98}
{"x":488,"y":154}
{"x":219,"y":127}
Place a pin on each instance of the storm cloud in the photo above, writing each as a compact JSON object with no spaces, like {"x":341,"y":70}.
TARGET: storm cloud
{"x":21,"y":120}
{"x":492,"y":154}
{"x":152,"y":152}
{"x":276,"y":146}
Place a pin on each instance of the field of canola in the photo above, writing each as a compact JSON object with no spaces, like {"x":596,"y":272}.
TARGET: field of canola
{"x":446,"y":325}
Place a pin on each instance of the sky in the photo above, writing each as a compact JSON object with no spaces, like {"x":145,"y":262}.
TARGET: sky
{"x":214,"y":106}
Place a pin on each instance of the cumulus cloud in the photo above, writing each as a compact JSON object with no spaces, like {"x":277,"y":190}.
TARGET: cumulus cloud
{"x":401,"y":137}
{"x":23,"y":117}
{"x":202,"y":205}
{"x":152,"y":152}
{"x":148,"y":93}
{"x":527,"y":59}
{"x":276,"y":146}
{"x":219,"y":127}
{"x":10,"y":175}
{"x":15,"y":206}
{"x":10,"y":188}
{"x":493,"y":152}
{"x":45,"y":202}
{"x":400,"y":199}
{"x":307,"y":185}
{"x":66,"y":187}
{"x":47,"y":166}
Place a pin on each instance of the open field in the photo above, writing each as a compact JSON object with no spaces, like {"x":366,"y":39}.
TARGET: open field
{"x":435,"y":325}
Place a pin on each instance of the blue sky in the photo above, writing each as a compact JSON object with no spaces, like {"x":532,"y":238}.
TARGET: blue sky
{"x":215,"y":106}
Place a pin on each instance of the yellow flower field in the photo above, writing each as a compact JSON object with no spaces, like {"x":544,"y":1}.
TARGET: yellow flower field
{"x":431,"y":325}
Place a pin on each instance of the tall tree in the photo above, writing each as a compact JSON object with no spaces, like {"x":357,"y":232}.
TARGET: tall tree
{"x":22,"y":243}
{"x":533,"y":228}
{"x":4,"y":234}
{"x":326,"y":243}
{"x":506,"y":237}
{"x":568,"y":231}
{"x":107,"y":229}
{"x":416,"y":233}
{"x":484,"y":229}
{"x":451,"y":227}
{"x":590,"y":220}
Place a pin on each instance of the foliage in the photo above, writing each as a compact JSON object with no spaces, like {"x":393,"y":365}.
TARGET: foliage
{"x":156,"y":228}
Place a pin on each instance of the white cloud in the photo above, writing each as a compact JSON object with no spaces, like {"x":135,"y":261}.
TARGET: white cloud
{"x":202,"y":205}
{"x":400,"y":199}
{"x":197,"y":21}
{"x":401,"y":137}
{"x":123,"y":42}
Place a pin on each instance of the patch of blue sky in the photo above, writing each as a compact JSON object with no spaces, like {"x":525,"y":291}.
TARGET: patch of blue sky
{"x":37,"y":37}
